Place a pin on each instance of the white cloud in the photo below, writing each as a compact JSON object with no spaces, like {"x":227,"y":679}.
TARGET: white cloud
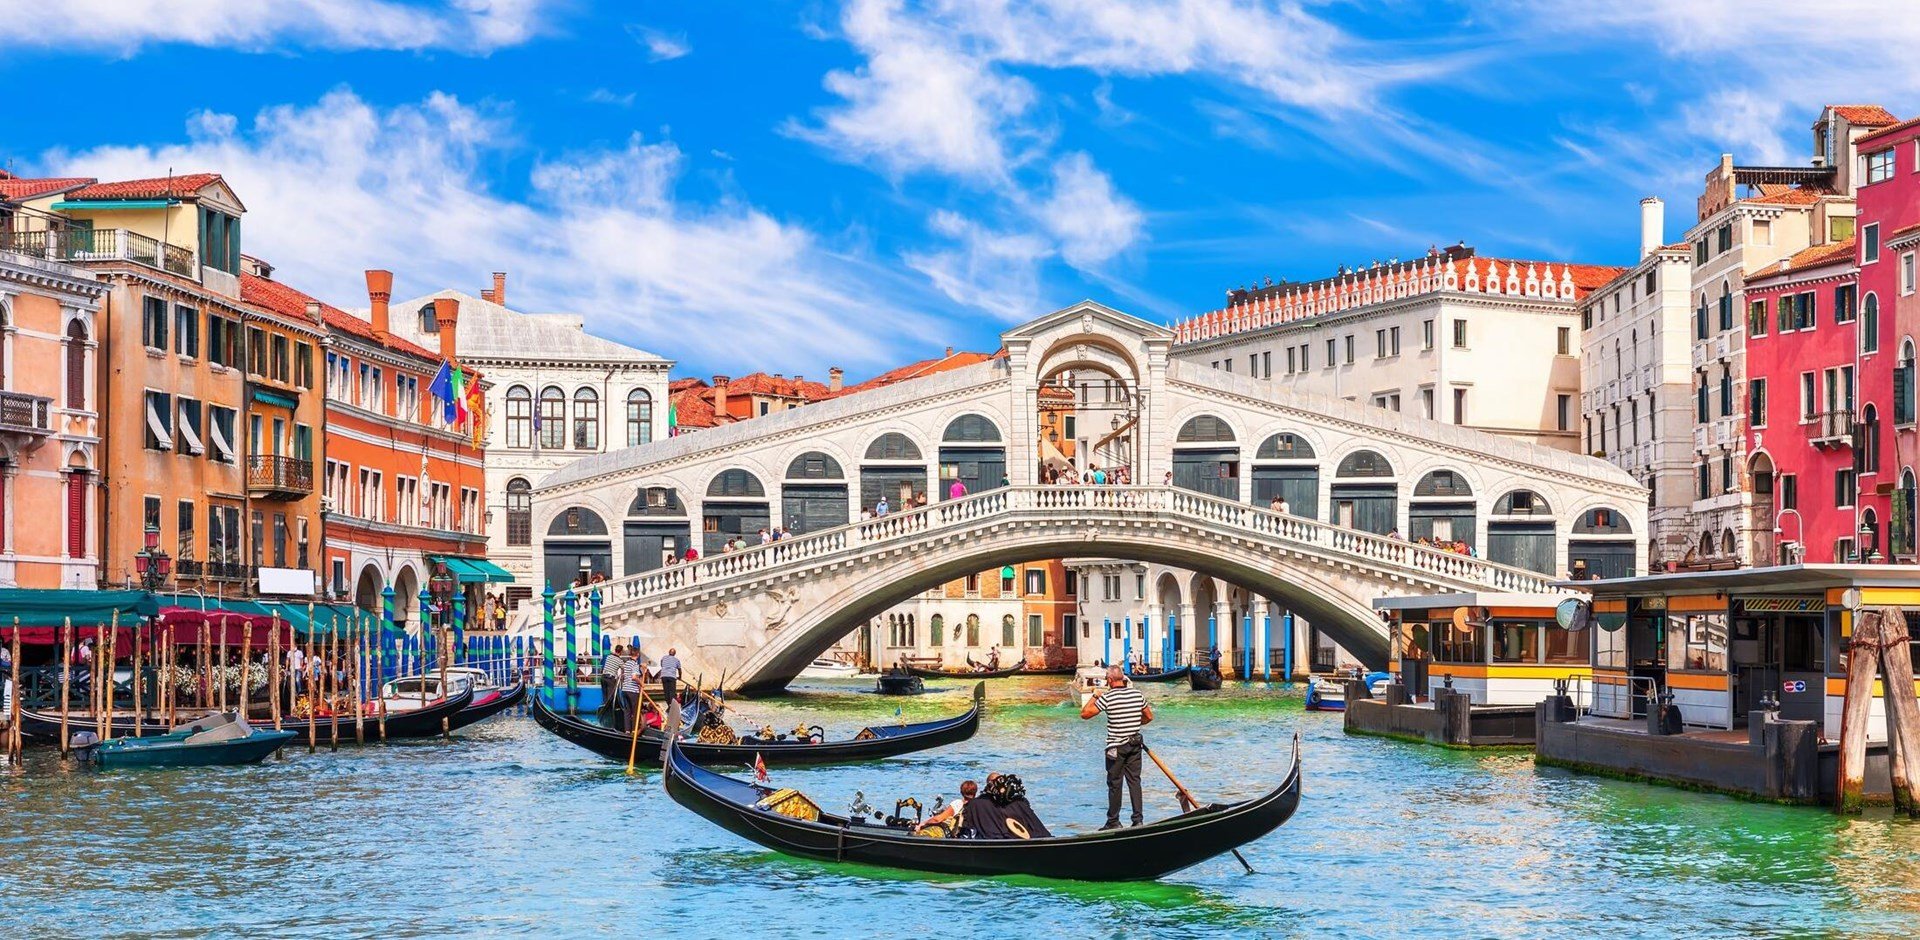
{"x":339,"y":186}
{"x":609,"y":96}
{"x":1089,"y":219}
{"x":994,"y":271}
{"x":470,"y":26}
{"x":661,"y":46}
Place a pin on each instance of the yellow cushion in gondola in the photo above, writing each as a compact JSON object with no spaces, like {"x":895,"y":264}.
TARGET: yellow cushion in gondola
{"x":792,"y":804}
{"x":866,"y":734}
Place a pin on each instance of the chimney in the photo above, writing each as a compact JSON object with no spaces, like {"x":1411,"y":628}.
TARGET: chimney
{"x":1653,"y":224}
{"x":836,"y":376}
{"x":446,"y":313}
{"x":379,"y":291}
{"x":949,"y":354}
{"x":720,"y":395}
{"x":499,"y":288}
{"x":313,"y":311}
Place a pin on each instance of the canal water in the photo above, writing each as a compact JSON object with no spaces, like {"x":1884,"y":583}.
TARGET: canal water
{"x":509,"y":831}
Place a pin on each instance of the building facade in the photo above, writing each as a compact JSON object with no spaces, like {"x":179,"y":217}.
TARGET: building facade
{"x":1636,"y":382}
{"x":284,"y":419}
{"x":1887,"y":446}
{"x":49,"y":418}
{"x":556,"y":393}
{"x":1486,"y":343}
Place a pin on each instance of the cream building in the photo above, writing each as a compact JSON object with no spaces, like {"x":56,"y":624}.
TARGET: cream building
{"x":1636,"y":402}
{"x":1486,"y":343}
{"x":558,"y":393}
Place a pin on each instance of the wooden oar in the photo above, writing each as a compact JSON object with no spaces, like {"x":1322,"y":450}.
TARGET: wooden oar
{"x":1187,"y":802}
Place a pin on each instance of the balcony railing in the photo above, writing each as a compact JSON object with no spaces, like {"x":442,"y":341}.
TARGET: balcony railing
{"x":291,"y":476}
{"x":1830,"y":427}
{"x":26,"y":414}
{"x":108,"y":244}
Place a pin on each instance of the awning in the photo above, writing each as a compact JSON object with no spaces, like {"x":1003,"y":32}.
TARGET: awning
{"x":42,"y":607}
{"x":266,"y":397}
{"x":163,"y":438}
{"x":222,"y":448}
{"x":236,"y":626}
{"x":95,"y":204}
{"x":195,"y":446}
{"x":473,"y":570}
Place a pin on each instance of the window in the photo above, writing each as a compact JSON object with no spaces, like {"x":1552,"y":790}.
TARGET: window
{"x":1380,"y":344}
{"x":1563,"y":412}
{"x":1700,"y":319}
{"x":150,"y":514}
{"x":1809,"y":398}
{"x":1563,"y":341}
{"x":1880,"y":166}
{"x":1903,"y":398}
{"x":1870,"y":243}
{"x":1803,"y":311}
{"x":1006,"y":582}
{"x":1700,"y":407}
{"x":1291,"y":364}
{"x":1726,"y":393}
{"x":302,"y":542}
{"x":1870,"y":324}
{"x":303,"y":365}
{"x":184,"y":545}
{"x":1723,"y":238}
{"x":1266,"y":364}
{"x":223,"y":341}
{"x":1349,"y":349}
{"x":1702,"y":486}
{"x":1843,"y":483}
{"x":1757,"y":318}
{"x":519,"y":417}
{"x":552,"y":420}
{"x":279,"y":540}
{"x":639,"y":417}
{"x":406,"y":396}
{"x":1306,"y":357}
{"x":1459,"y":406}
{"x":519,"y":512}
{"x":1036,"y":581}
{"x":1037,"y":632}
{"x":1333,"y":353}
{"x":280,"y":368}
{"x":1726,"y":309}
{"x":1393,"y":341}
{"x":1906,"y":273}
{"x":1787,"y":488}
{"x":1426,"y":403}
{"x":220,"y":434}
{"x":1426,"y":334}
{"x":153,"y":323}
{"x":159,"y":421}
{"x":190,"y":441}
{"x":186,"y":331}
{"x":429,"y":322}
{"x":219,"y":240}
{"x":259,"y":531}
{"x":76,"y":353}
{"x":1459,"y":334}
{"x":1844,"y":307}
{"x":339,"y":377}
{"x":256,"y":351}
{"x":1757,"y":402}
{"x":586,"y":419}
{"x":1253,"y":364}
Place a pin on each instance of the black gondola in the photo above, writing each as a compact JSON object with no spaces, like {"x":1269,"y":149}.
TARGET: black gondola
{"x":419,"y":723}
{"x":474,"y":714}
{"x":883,"y":741}
{"x":1170,"y":675}
{"x":926,"y":673}
{"x":1203,"y":679}
{"x":894,"y":683}
{"x":1137,"y":854}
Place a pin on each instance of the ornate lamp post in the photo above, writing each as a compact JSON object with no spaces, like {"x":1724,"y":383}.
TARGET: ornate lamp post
{"x":441,"y":584}
{"x":151,"y":562}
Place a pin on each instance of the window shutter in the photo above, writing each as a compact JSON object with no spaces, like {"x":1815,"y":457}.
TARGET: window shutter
{"x":77,"y":514}
{"x":1903,"y":395}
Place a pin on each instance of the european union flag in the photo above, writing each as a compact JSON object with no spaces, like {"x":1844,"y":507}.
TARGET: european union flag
{"x":442,"y":388}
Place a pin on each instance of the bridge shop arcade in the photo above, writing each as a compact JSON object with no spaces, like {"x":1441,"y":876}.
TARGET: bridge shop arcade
{"x":1754,"y":663}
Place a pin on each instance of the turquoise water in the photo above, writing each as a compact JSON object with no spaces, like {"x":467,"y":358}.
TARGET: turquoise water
{"x":508,"y":831}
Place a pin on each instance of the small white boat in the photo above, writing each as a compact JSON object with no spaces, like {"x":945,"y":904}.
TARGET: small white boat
{"x":1326,"y":694}
{"x":824,"y":668}
{"x":410,"y":693}
{"x":1088,"y":681}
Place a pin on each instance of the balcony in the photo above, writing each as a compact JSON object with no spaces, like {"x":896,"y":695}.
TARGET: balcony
{"x":1700,"y":354}
{"x":1723,"y":347}
{"x":1830,"y":428}
{"x":1726,"y":431}
{"x":112,"y":244}
{"x":279,"y":478}
{"x":26,"y":419}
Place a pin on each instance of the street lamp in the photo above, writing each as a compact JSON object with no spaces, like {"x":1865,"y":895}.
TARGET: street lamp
{"x":1869,"y":549}
{"x":1787,"y":548}
{"x":151,"y":563}
{"x":441,"y":586}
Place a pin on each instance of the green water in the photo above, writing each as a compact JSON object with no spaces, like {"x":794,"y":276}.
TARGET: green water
{"x":509,"y":831}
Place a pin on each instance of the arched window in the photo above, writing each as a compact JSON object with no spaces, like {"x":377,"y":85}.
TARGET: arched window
{"x":1901,"y":539}
{"x":1009,"y":631}
{"x":519,"y":417}
{"x":736,"y":484}
{"x":586,"y":419}
{"x":575,"y":522}
{"x":1284,"y":446}
{"x":971,"y":429}
{"x":1364,"y":463}
{"x":1869,"y":439}
{"x":1204,"y":429}
{"x":1903,"y":385}
{"x":973,"y":629}
{"x":936,"y":624}
{"x":1706,"y":544}
{"x":1726,"y":542}
{"x":1443,"y":483}
{"x":893,"y":446}
{"x":76,"y":351}
{"x":639,"y":417}
{"x":1870,"y":323}
{"x":429,"y":323}
{"x":1602,"y":522}
{"x":1869,"y":533}
{"x":814,"y":465}
{"x":552,"y":420}
{"x":656,"y":501}
{"x":1521,"y":503}
{"x":519,"y":512}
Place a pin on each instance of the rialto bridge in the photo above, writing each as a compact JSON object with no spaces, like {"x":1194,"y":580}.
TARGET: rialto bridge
{"x":1204,"y":454}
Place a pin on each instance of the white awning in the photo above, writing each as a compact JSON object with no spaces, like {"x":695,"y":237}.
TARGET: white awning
{"x":194,"y":445}
{"x":158,"y":427}
{"x":222,"y":448}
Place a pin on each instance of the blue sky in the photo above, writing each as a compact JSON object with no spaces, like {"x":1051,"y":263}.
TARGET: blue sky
{"x":793,"y":185}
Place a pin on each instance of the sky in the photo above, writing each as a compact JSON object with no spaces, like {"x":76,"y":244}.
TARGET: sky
{"x":761,"y":184}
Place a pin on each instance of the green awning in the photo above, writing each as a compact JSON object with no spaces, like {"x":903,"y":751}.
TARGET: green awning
{"x":472,"y":570}
{"x":495,"y":574}
{"x":114,"y":204}
{"x":267,"y":397}
{"x":42,"y":607}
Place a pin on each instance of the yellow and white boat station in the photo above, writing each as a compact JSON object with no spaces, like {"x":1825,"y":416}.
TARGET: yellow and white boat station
{"x":1726,"y":644}
{"x":1498,"y":649}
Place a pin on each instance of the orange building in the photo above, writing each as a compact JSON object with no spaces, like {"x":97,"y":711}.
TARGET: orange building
{"x":49,"y":422}
{"x":285,"y":416}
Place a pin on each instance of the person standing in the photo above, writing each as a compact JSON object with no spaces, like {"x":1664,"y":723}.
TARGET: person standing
{"x":880,"y":508}
{"x":633,"y":672}
{"x":957,"y":490}
{"x":670,"y":676}
{"x":610,"y":666}
{"x":1127,"y":712}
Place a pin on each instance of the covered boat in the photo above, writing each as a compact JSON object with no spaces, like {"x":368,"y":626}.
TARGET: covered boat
{"x":1326,"y":694}
{"x":418,"y":723}
{"x":218,"y":740}
{"x":785,"y":821}
{"x":926,"y":673}
{"x":1170,"y":675}
{"x":411,"y":693}
{"x":874,"y":741}
{"x":1203,"y":679}
{"x":894,"y":683}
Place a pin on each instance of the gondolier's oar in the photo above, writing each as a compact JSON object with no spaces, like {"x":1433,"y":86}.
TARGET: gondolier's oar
{"x":1187,"y":802}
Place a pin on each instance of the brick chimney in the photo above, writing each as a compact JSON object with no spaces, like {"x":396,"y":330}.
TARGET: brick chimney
{"x":446,"y":313}
{"x":314,"y":313}
{"x":379,"y":291}
{"x":836,"y":376}
{"x":500,"y":288}
{"x":949,"y":354}
{"x":720,"y":395}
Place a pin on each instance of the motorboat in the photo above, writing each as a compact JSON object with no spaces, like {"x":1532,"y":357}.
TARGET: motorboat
{"x":824,"y":668}
{"x":222,"y":739}
{"x":1089,"y":681}
{"x":1326,"y":694}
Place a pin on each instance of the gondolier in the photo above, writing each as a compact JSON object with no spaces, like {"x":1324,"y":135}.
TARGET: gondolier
{"x":1127,"y":712}
{"x":632,"y":673}
{"x":610,"y":674}
{"x":670,"y":675}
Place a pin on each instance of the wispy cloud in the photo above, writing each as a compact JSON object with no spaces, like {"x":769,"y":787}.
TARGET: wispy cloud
{"x":341,"y":185}
{"x":125,"y":26}
{"x":608,"y":96}
{"x":660,"y":45}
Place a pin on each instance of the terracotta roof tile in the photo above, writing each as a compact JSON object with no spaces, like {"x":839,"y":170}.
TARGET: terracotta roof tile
{"x":1865,"y":115}
{"x":286,"y":301}
{"x":1805,"y":258}
{"x":1889,"y":131}
{"x":14,"y":187}
{"x":183,"y":186}
{"x":760,"y":383}
{"x":1802,"y":196}
{"x":924,"y":367}
{"x":691,"y":410}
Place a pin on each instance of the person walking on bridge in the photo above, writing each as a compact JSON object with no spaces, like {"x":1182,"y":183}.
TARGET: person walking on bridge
{"x":1127,"y":712}
{"x":957,"y":490}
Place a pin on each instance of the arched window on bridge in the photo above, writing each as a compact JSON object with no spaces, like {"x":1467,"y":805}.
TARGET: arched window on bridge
{"x":736,"y":506}
{"x":1372,"y":506}
{"x":1206,"y":458}
{"x":656,"y":529}
{"x":814,"y":494}
{"x":1521,"y":532}
{"x":1286,"y":466}
{"x":971,"y":454}
{"x":1441,"y":511}
{"x":893,"y":468}
{"x":577,"y":545}
{"x":1603,"y":540}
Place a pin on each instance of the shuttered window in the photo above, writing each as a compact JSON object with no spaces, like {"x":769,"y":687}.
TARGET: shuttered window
{"x":76,"y":365}
{"x":77,"y":514}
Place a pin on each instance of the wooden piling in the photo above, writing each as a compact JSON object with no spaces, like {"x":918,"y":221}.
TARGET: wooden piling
{"x":105,"y":715}
{"x":1862,"y":651}
{"x":14,"y":744}
{"x":246,"y":668}
{"x":440,"y":640}
{"x":273,"y":672}
{"x":1903,"y":712}
{"x":66,"y":678}
{"x":222,"y":696}
{"x":359,"y":681}
{"x":333,"y":684}
{"x":139,"y":703}
{"x":309,"y":674}
{"x":201,"y":668}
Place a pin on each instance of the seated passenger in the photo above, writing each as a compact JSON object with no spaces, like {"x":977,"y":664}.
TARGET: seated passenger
{"x":954,"y":812}
{"x":1003,"y":811}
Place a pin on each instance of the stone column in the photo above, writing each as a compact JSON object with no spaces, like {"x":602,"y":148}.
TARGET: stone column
{"x":1223,"y":621}
{"x":1192,"y":631}
{"x":1156,"y":620}
{"x":1260,"y":637}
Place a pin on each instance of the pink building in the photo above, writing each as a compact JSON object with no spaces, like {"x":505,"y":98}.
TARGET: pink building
{"x":1889,"y":202}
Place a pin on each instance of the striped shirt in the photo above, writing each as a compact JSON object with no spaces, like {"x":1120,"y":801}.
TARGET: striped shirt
{"x":631,"y":673}
{"x":610,"y":663}
{"x":1124,"y":707}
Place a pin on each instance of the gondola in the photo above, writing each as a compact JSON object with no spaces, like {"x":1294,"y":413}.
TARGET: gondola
{"x":495,"y":701}
{"x":419,"y":723}
{"x":873,"y":742}
{"x":1203,"y":679}
{"x":893,"y":683}
{"x":1140,"y":853}
{"x":1170,"y":675}
{"x":926,"y":673}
